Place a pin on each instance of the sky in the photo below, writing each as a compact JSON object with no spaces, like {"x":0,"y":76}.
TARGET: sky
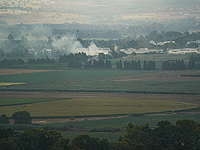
{"x":94,"y":11}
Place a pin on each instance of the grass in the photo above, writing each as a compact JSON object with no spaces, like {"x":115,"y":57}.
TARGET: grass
{"x":90,"y":106}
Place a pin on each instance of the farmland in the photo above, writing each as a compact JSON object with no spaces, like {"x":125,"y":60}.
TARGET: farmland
{"x":105,"y":98}
{"x":89,"y":106}
{"x":164,"y":82}
{"x":50,"y":104}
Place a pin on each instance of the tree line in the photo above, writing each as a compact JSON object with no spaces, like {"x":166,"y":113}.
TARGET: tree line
{"x":194,"y":61}
{"x":81,"y":60}
{"x":46,"y":60}
{"x":136,"y":65}
{"x":98,"y":64}
{"x":184,"y":135}
{"x":77,"y":57}
{"x":174,"y":65}
{"x":12,"y":62}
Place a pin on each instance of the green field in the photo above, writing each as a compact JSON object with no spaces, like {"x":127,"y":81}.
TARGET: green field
{"x":104,"y":81}
{"x":89,"y":106}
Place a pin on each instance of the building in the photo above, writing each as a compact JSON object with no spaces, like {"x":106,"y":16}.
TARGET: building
{"x":91,"y":50}
{"x":183,"y":51}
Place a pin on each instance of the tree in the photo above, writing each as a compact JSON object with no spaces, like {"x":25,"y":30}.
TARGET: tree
{"x":39,"y":139}
{"x":6,"y":133}
{"x":22,"y":117}
{"x":61,"y":144}
{"x":187,"y":134}
{"x":8,"y":145}
{"x":132,"y":44}
{"x":88,"y":143}
{"x":181,"y":41}
{"x":4,"y":119}
{"x":145,"y":65}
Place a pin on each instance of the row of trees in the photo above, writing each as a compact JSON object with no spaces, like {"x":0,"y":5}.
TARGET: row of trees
{"x":80,"y":57}
{"x":126,"y":65}
{"x":194,"y":61}
{"x":98,"y":64}
{"x":91,"y":64}
{"x":174,"y":65}
{"x":151,"y":65}
{"x":46,"y":60}
{"x":184,"y":135}
{"x":180,"y":65}
{"x":194,"y":57}
{"x":12,"y":62}
{"x":133,"y":65}
{"x":136,"y":65}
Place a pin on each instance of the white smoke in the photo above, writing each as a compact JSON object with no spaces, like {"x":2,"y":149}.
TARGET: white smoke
{"x":93,"y":50}
{"x":67,"y":44}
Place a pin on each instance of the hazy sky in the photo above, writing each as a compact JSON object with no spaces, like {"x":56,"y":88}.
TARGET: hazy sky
{"x":90,"y":11}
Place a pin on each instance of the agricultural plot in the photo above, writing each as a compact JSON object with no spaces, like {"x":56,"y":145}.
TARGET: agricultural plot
{"x":158,"y":82}
{"x":6,"y":83}
{"x":89,"y":106}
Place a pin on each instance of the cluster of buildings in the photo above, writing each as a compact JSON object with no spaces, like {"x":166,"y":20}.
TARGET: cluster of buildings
{"x":184,"y":51}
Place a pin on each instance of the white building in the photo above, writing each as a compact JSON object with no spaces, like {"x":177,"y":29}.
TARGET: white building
{"x":93,"y":50}
{"x":182,"y":51}
{"x":142,"y":51}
